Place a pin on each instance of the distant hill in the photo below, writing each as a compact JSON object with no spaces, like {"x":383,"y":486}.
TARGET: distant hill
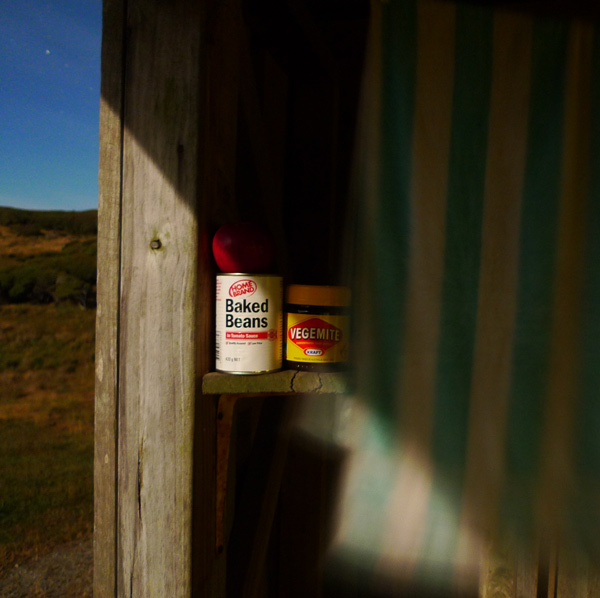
{"x":48,"y":256}
{"x":33,"y":222}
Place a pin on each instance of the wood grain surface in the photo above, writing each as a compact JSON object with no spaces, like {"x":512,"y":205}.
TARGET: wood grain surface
{"x":148,"y":251}
{"x":107,"y":313}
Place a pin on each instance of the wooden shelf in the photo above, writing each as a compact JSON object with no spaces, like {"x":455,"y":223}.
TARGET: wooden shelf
{"x":282,"y":382}
{"x":230,"y":388}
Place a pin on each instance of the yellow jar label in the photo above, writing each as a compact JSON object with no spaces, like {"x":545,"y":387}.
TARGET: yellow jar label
{"x":317,"y":339}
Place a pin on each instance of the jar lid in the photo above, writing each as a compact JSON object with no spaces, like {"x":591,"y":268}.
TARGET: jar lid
{"x":325,"y":296}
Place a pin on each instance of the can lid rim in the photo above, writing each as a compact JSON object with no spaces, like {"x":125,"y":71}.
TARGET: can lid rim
{"x":247,"y":274}
{"x":324,"y":296}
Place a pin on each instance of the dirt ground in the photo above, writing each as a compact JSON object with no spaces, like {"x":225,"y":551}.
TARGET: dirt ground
{"x":66,"y":572}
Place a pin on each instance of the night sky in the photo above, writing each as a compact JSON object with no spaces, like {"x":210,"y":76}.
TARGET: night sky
{"x":49,"y":103}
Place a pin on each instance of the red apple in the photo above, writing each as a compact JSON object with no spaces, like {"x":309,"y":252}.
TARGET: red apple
{"x":243,"y":247}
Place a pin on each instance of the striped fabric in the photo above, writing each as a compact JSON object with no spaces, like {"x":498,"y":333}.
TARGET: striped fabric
{"x":478,"y":306}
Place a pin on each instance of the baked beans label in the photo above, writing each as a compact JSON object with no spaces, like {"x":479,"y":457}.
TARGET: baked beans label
{"x":249,"y":323}
{"x":317,"y":339}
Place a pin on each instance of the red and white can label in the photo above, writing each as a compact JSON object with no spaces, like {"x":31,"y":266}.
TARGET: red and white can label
{"x":249,"y":323}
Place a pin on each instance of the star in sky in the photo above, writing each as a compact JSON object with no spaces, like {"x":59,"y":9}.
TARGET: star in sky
{"x":49,"y":103}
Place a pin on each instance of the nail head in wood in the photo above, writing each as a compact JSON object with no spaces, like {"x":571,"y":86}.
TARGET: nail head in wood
{"x":155,"y":244}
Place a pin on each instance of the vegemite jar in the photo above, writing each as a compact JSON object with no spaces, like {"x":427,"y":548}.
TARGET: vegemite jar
{"x":317,"y":327}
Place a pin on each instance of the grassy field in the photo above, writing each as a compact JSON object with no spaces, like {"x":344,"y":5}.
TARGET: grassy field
{"x":47,"y":260}
{"x":46,"y":428}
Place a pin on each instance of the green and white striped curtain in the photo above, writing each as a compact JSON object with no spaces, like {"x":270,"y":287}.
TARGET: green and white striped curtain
{"x":478,"y":301}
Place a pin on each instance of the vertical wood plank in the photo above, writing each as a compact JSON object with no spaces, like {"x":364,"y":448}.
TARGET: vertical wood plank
{"x":508,"y":571}
{"x":222,"y":64}
{"x":593,"y":584}
{"x":498,"y":573}
{"x":217,"y":165}
{"x":268,"y":167}
{"x":157,"y":321}
{"x":251,"y":531}
{"x":527,"y":575}
{"x":107,"y":313}
{"x":147,"y":326}
{"x":577,"y":575}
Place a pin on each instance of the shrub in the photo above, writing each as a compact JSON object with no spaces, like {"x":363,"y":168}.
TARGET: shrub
{"x":76,"y":223}
{"x":27,"y":230}
{"x":67,"y":275}
{"x":49,"y":277}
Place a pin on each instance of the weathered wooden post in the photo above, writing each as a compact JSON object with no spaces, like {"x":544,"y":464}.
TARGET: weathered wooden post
{"x":152,"y":308}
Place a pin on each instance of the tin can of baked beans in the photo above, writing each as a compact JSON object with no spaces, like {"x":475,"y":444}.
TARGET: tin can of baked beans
{"x":249,"y":326}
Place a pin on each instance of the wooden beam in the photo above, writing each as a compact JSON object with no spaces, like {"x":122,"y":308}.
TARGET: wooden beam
{"x":107,"y":314}
{"x":224,"y":25}
{"x":269,"y":169}
{"x":578,"y":576}
{"x":508,"y":570}
{"x":282,"y":382}
{"x":147,"y":347}
{"x":158,"y":293}
{"x":217,"y":168}
{"x":315,"y":38}
{"x":256,"y":507}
